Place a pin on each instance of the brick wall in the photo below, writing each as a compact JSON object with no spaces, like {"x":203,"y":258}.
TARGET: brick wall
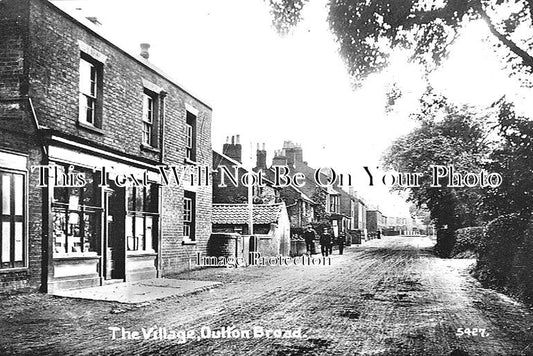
{"x":39,"y":56}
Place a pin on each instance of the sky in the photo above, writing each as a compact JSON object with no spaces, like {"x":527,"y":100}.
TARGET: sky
{"x":270,"y":89}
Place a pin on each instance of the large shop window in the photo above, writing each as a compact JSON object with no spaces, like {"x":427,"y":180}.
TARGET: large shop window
{"x":141,"y":218}
{"x":12,"y":236}
{"x":77,"y":216}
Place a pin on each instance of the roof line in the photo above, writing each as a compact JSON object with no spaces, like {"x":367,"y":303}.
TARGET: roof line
{"x":139,"y":59}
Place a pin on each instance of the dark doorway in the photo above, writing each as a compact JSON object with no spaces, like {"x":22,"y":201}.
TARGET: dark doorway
{"x":115,"y":253}
{"x":252,"y":248}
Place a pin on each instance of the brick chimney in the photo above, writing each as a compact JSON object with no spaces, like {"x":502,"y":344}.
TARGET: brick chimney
{"x":144,"y":50}
{"x":233,"y":149}
{"x":279,"y":159}
{"x":293,"y":152}
{"x":261,"y":162}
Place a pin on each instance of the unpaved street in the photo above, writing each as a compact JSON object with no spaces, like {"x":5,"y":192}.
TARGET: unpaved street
{"x":387,"y":297}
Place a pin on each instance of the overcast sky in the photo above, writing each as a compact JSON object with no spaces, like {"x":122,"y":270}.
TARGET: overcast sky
{"x":270,"y":89}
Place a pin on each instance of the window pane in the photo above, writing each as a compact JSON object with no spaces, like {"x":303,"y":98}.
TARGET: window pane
{"x":6,"y":194}
{"x":130,"y":199}
{"x":139,"y":199}
{"x":93,"y":81}
{"x":129,"y":232}
{"x":90,"y":110}
{"x":85,"y":76}
{"x":6,"y":241}
{"x":74,"y":233}
{"x":19,"y":248}
{"x":91,"y":235}
{"x":151,"y":198}
{"x":89,"y":189}
{"x":19,"y":194}
{"x":139,"y":232}
{"x":60,"y":228}
{"x":148,"y":233}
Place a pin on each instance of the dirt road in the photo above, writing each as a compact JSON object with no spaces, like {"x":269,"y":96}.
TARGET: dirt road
{"x":387,"y":297}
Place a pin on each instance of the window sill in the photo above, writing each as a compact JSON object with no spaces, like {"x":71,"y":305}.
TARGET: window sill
{"x":13,"y":270}
{"x":188,"y":161}
{"x":187,"y":241}
{"x":74,"y":256}
{"x":149,"y":148}
{"x":141,"y":253}
{"x":90,"y":128}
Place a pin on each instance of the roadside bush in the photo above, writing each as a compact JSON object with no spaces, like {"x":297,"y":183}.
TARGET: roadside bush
{"x":505,"y":247}
{"x":522,"y":274}
{"x":467,"y":242}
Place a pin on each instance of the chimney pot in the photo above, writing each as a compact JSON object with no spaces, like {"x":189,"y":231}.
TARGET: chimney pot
{"x":232,"y":140}
{"x":144,"y":50}
{"x":237,"y":139}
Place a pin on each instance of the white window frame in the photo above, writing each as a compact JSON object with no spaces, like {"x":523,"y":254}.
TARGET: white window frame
{"x":12,"y":220}
{"x":148,"y":118}
{"x":88,"y":98}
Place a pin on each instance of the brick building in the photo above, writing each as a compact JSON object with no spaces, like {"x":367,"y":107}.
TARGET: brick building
{"x":102,"y":120}
{"x":227,"y":165}
{"x":375,"y":221}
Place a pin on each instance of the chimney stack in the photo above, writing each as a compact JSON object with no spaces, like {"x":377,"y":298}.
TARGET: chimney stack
{"x":233,"y":149}
{"x":261,"y":158}
{"x":279,"y":159}
{"x":144,"y":50}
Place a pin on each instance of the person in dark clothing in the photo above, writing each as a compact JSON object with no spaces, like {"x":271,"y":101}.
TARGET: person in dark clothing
{"x":309,"y":236}
{"x":325,"y":242}
{"x":341,"y":241}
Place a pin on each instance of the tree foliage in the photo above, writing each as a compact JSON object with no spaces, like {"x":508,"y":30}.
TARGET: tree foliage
{"x":367,"y":30}
{"x":448,"y":135}
{"x":513,"y":159}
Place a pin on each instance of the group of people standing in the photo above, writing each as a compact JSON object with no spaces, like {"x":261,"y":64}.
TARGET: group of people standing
{"x":326,"y":241}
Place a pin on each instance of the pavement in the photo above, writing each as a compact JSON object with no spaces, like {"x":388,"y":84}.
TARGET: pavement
{"x":386,"y":297}
{"x":140,"y":291}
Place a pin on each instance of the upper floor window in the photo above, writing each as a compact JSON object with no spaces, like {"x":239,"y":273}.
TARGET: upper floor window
{"x":190,"y":137}
{"x":333,"y":204}
{"x":90,"y":91}
{"x":148,"y":118}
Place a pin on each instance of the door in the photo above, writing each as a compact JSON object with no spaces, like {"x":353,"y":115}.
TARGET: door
{"x":252,"y":249}
{"x":115,"y":254}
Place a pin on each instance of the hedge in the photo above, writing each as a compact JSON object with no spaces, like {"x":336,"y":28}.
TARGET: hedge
{"x":467,"y":242}
{"x":505,"y":256}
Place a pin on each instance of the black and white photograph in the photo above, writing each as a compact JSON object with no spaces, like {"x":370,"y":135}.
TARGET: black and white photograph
{"x":266,"y":177}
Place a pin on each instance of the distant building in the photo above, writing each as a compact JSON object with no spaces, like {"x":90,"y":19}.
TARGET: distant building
{"x":271,"y":226}
{"x":375,"y":221}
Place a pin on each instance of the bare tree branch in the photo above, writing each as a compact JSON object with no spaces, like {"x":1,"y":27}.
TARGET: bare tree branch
{"x":527,"y":59}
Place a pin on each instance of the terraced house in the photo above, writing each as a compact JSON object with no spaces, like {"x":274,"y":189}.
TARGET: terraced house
{"x":98,"y":121}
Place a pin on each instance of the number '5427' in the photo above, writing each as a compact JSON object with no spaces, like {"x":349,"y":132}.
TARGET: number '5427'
{"x":471,"y":332}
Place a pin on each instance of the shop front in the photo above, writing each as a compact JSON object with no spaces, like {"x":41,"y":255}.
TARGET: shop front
{"x":103,"y":220}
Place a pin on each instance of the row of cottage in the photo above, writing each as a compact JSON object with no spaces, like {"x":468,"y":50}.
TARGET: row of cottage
{"x":87,"y":131}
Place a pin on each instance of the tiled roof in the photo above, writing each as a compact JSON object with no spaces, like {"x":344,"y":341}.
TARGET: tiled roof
{"x":238,"y":213}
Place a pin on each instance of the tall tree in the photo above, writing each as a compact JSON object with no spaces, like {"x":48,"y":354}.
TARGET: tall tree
{"x":513,"y":160}
{"x":447,"y":135}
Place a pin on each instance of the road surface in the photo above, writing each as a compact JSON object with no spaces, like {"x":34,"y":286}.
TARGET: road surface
{"x":386,"y":297}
